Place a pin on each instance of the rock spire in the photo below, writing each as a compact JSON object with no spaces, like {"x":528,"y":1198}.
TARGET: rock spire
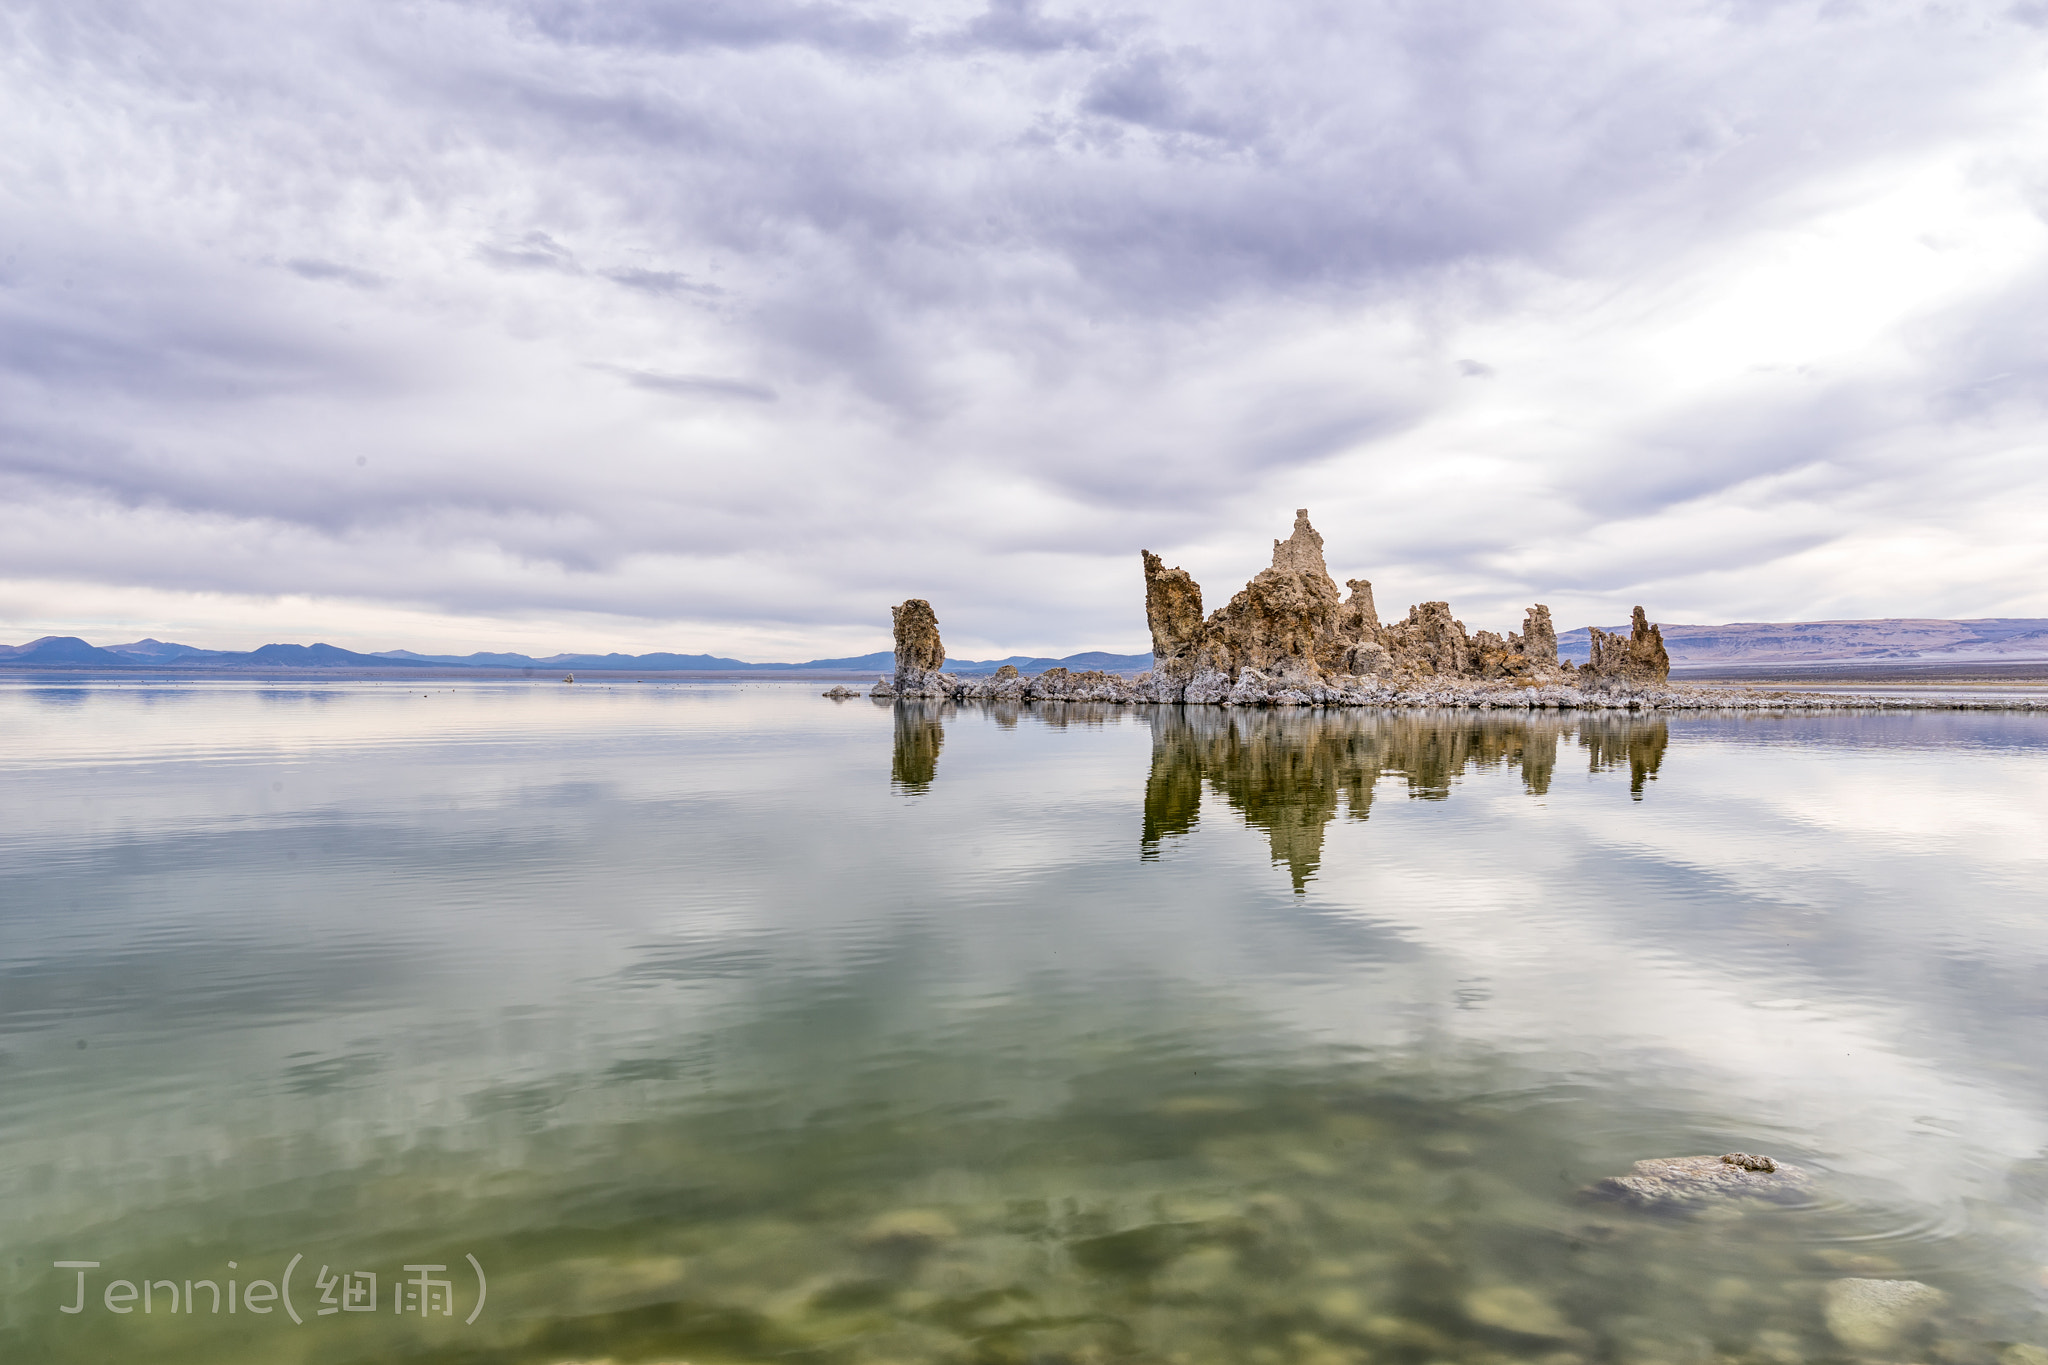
{"x":1637,"y":661}
{"x":919,"y":652}
{"x":1173,"y":608}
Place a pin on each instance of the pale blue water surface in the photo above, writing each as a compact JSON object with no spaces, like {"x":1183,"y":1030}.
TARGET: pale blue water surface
{"x":729,"y":1023}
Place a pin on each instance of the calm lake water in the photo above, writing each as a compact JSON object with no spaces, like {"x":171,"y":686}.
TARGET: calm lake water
{"x":729,"y":1023}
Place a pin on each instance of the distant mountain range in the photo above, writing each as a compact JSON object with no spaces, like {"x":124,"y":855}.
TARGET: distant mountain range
{"x":70,"y":652}
{"x":2010,"y":639}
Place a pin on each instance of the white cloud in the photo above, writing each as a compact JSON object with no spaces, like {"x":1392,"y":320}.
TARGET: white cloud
{"x":675,"y":327}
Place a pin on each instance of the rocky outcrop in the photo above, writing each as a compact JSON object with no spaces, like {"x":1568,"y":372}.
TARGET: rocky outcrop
{"x":1286,"y":620}
{"x":1292,"y":638}
{"x":920,"y":654}
{"x":1538,"y":640}
{"x":1173,"y":609}
{"x":1429,"y":643}
{"x":1358,"y":623}
{"x":1293,"y":628}
{"x":1638,"y":661}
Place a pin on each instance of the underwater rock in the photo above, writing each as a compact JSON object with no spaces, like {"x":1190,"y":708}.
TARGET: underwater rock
{"x":1876,"y":1315}
{"x":908,"y":1230}
{"x":1511,"y":1308}
{"x":1686,"y":1182}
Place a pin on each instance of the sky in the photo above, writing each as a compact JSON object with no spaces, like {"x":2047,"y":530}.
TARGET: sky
{"x":719,"y":326}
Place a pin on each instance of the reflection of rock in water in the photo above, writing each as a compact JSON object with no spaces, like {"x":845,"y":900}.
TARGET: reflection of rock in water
{"x":1638,"y":744}
{"x":920,"y":732}
{"x":1288,"y":772}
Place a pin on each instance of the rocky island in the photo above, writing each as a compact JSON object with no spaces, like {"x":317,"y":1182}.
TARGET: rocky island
{"x":1291,"y":637}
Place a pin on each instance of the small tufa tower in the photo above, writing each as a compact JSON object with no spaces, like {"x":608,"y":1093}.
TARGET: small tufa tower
{"x":920,"y":654}
{"x":1639,"y":660}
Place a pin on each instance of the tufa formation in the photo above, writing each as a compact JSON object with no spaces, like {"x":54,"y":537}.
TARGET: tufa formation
{"x":1291,"y":637}
{"x":1293,"y":628}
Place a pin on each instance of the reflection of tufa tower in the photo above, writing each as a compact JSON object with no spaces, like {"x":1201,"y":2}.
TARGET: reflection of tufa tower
{"x":1288,"y":773}
{"x":920,"y":734}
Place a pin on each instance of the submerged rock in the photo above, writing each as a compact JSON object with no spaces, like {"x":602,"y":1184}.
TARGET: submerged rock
{"x":1876,"y":1315}
{"x":909,"y":1229}
{"x":1690,"y":1182}
{"x":1524,"y":1312}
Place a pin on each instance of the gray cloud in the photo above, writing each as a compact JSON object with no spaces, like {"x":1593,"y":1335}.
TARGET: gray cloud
{"x":663,"y":282}
{"x":334,"y":270}
{"x":690,"y":385}
{"x":971,"y":301}
{"x":533,"y":251}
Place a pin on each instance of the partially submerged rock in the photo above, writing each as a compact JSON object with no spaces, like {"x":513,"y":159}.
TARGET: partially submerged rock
{"x":1692,"y":1182}
{"x":1877,"y":1315}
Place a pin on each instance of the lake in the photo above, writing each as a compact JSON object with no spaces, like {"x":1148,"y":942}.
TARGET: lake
{"x":525,"y":1022}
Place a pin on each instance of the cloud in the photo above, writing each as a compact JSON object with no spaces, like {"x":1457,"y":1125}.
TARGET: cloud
{"x":970,"y":301}
{"x":334,"y":270}
{"x":690,"y":385}
{"x":1023,"y":26}
{"x":533,"y":251}
{"x":667,"y":283}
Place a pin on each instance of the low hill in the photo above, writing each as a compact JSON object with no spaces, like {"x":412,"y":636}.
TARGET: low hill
{"x":2004,"y":638}
{"x":67,"y":651}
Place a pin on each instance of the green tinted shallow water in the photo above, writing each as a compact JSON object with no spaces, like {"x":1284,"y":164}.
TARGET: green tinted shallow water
{"x":733,"y":1024}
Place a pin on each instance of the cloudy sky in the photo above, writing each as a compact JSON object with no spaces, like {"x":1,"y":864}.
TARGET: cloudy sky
{"x":722,"y":324}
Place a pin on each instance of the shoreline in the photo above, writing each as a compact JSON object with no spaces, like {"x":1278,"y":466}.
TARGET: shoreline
{"x":1254,"y":692}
